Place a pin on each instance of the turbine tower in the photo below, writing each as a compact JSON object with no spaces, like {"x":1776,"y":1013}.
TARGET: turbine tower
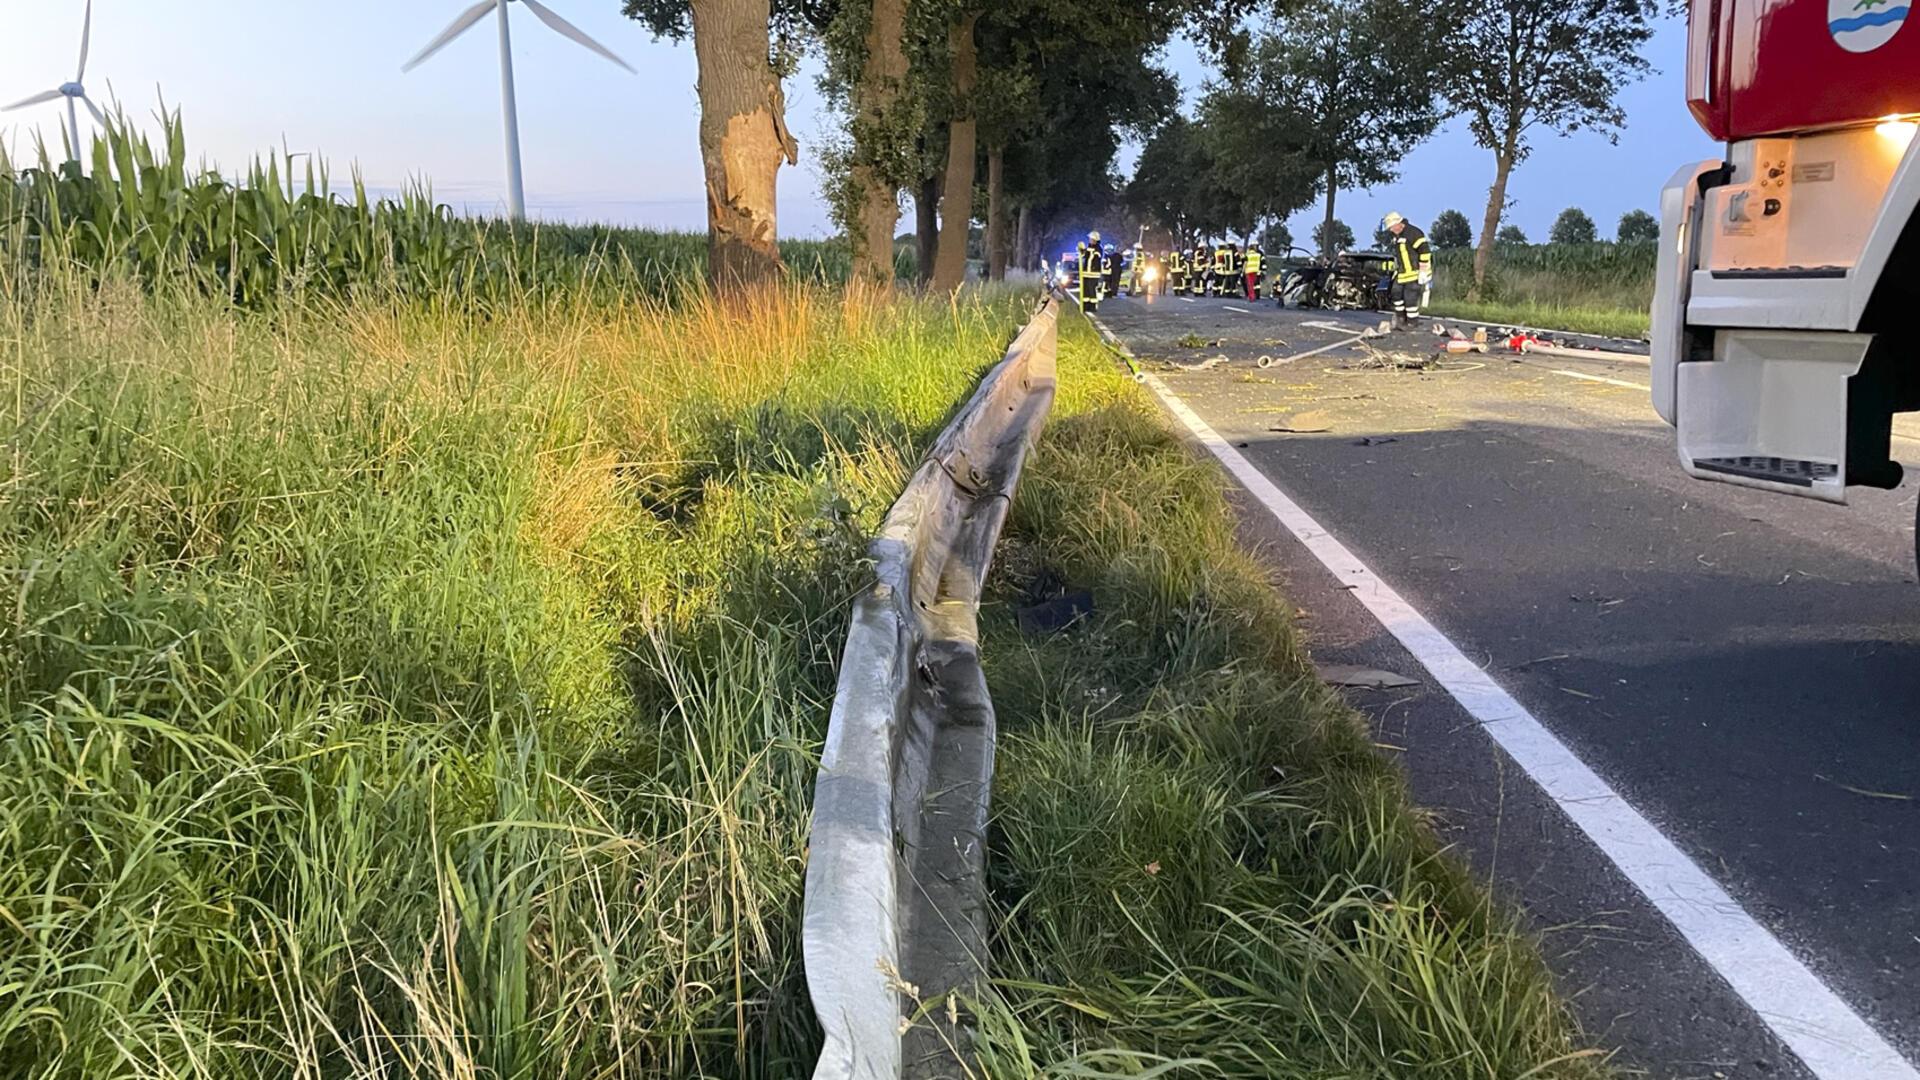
{"x":72,"y":91}
{"x":516,"y":193}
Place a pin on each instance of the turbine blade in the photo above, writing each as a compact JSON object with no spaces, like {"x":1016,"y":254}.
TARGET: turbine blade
{"x":86,"y":41}
{"x":94,"y":109}
{"x":568,"y":30}
{"x":50,"y":95}
{"x":459,"y":26}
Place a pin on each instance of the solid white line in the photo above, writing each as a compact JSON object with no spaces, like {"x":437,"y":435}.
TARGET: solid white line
{"x":1241,"y":310}
{"x":1600,"y":378}
{"x":1822,"y":1030}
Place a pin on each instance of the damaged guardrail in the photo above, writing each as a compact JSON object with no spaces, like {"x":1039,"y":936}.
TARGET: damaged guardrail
{"x":896,"y":892}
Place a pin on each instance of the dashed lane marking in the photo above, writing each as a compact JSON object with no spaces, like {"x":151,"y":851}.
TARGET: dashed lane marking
{"x":1241,"y":310}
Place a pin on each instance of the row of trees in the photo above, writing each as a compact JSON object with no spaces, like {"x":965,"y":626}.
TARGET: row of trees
{"x":1451,"y":230}
{"x":1037,"y":96}
{"x":934,"y":93}
{"x":1336,"y":95}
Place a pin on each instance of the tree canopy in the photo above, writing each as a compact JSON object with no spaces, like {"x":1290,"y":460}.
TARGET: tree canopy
{"x":1637,"y":227}
{"x":1573,"y":226}
{"x":1557,"y":65}
{"x":1450,"y":230}
{"x":1335,"y":237}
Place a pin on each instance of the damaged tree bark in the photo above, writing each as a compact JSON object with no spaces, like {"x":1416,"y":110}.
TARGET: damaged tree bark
{"x":743,"y":139}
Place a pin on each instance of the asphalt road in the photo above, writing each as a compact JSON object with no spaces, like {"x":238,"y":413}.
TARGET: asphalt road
{"x":1743,"y":667}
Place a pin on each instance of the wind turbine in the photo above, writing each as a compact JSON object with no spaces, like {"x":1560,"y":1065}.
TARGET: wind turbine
{"x":516,"y":195}
{"x":72,"y":91}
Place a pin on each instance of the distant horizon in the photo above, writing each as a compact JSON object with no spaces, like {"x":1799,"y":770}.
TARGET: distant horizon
{"x":608,"y":148}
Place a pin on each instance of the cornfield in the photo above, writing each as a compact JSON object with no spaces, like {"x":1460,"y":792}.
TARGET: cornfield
{"x":276,"y":232}
{"x":1609,"y":275}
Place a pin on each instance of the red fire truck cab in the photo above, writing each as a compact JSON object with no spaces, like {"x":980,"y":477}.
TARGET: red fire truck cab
{"x":1786,"y":312}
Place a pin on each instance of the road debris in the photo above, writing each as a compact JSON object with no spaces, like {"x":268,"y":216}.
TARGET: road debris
{"x":1364,"y":678}
{"x":1892,"y":795}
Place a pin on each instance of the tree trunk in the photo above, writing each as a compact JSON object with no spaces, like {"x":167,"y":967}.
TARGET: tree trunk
{"x":1490,"y":225}
{"x":743,"y":139}
{"x":996,"y":213}
{"x":1326,"y":224}
{"x":926,"y":229}
{"x":882,"y":81}
{"x":956,"y":194}
{"x":1023,"y":254}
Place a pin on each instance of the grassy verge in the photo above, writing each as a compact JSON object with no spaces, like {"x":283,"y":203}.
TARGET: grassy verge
{"x":393,"y":689}
{"x":1203,"y":861}
{"x":1579,"y":319}
{"x":398,"y":692}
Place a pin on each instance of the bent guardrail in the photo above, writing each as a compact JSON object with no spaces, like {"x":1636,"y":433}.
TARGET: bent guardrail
{"x":895,"y":892}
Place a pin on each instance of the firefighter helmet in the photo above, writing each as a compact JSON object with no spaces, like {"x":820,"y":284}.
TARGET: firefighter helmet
{"x":1393,"y":218}
{"x":1093,"y":237}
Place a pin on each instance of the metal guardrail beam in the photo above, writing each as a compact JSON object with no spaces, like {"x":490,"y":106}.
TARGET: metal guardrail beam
{"x":896,"y":891}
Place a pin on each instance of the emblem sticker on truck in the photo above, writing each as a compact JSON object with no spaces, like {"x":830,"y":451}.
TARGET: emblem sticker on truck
{"x":1865,"y":25}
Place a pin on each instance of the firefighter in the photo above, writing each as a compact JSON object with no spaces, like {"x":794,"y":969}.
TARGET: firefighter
{"x":1110,"y":260}
{"x":1222,"y":268}
{"x":1177,"y":272}
{"x":1092,"y":280}
{"x":1412,"y":265}
{"x":1199,"y":272}
{"x":1256,"y":265}
{"x":1137,"y":272}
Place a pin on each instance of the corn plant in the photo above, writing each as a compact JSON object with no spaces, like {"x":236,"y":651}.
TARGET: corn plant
{"x":274,"y":231}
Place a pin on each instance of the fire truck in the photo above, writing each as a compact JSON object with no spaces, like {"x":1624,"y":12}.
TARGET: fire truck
{"x":1786,"y":312}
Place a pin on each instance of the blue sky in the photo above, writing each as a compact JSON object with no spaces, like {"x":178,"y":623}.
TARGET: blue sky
{"x":602,"y":144}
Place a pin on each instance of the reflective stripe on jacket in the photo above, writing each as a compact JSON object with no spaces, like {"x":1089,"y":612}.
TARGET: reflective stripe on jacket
{"x":1411,"y":254}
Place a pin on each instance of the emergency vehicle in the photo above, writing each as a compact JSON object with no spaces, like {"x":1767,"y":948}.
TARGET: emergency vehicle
{"x":1788,"y":290}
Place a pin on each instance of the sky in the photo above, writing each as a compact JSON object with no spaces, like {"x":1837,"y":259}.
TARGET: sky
{"x":600,"y":144}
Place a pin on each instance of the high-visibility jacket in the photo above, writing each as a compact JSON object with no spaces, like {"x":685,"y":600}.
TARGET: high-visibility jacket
{"x":1223,"y":260}
{"x":1199,"y":260}
{"x":1254,"y":261}
{"x":1411,"y":254}
{"x":1176,"y":263}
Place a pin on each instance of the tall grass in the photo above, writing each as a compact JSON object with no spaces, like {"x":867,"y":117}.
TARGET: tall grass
{"x":393,"y":690}
{"x":1592,"y":288}
{"x":277,"y":231}
{"x":1205,"y":867}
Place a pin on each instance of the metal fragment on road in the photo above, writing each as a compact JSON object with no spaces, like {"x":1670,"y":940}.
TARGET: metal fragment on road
{"x":1364,"y":678}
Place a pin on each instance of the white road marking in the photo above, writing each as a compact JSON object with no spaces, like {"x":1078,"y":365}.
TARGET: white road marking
{"x":1184,"y":299}
{"x":1823,"y":1031}
{"x":1241,"y":310}
{"x":1325,"y":324}
{"x":1601,"y":379}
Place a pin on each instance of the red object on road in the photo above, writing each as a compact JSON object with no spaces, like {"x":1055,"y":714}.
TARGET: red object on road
{"x":1761,"y":67}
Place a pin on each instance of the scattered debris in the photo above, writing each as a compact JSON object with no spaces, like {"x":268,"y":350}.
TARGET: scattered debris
{"x":1374,"y":440}
{"x":1365,"y":678}
{"x":1204,"y":365}
{"x":1152,"y":867}
{"x":1195,"y":341}
{"x":1893,"y":795}
{"x":1055,"y":615}
{"x":1579,"y":693}
{"x":1301,"y":430}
